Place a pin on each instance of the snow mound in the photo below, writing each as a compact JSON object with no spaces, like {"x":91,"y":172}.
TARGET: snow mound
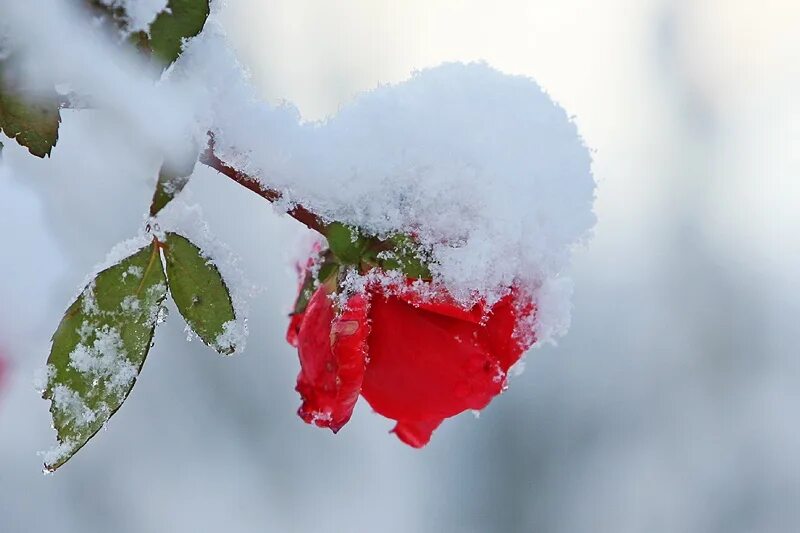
{"x":484,"y":168}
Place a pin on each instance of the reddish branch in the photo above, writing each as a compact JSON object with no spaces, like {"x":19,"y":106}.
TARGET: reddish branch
{"x":298,"y":212}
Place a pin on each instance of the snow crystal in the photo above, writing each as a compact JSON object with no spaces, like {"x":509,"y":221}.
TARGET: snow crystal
{"x":517,"y":369}
{"x":157,"y":313}
{"x":70,"y":403}
{"x":190,"y":334}
{"x":86,"y":329}
{"x":119,"y":252}
{"x":123,"y":250}
{"x":553,"y":309}
{"x":233,"y":334}
{"x":57,"y":453}
{"x":105,"y":360}
{"x":89,"y":302}
{"x":161,"y":314}
{"x":135,"y":271}
{"x":130,"y":304}
{"x":42,"y":376}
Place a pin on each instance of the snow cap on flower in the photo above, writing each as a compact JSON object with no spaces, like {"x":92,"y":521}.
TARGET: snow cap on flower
{"x":484,"y":168}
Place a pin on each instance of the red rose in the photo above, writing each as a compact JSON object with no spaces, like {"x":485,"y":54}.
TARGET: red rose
{"x":415,"y":359}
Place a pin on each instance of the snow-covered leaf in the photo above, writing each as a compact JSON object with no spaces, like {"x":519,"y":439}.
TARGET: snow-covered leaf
{"x":200,"y":293}
{"x":99,"y":349}
{"x":33,"y":123}
{"x":182,"y":19}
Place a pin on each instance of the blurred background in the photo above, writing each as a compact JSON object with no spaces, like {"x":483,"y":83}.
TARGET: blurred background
{"x":672,"y":404}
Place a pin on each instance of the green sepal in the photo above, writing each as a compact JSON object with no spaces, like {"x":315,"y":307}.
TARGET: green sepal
{"x":327,"y":272}
{"x":401,"y":252}
{"x":346,"y":243}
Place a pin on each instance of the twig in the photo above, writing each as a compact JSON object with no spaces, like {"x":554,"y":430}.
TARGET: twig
{"x":298,"y":212}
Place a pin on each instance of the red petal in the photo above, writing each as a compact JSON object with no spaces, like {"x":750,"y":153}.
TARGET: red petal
{"x":293,"y":330}
{"x":431,"y":359}
{"x":426,"y":366}
{"x":332,"y":352}
{"x":416,"y":433}
{"x":506,"y":333}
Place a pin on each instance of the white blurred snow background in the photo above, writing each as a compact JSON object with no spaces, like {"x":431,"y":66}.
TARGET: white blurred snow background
{"x":670,"y":406}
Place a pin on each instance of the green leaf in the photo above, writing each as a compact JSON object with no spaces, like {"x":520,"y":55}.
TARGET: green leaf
{"x":182,"y":19}
{"x":99,"y":349}
{"x":163,"y":41}
{"x":29,"y":120}
{"x":199,"y":292}
{"x":345,"y":243}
